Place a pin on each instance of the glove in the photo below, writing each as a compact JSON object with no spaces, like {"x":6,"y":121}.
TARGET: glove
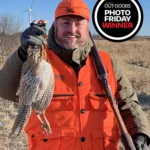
{"x":140,"y":142}
{"x":34,"y":35}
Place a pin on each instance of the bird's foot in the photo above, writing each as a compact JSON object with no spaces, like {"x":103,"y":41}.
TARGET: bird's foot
{"x":45,"y":126}
{"x":46,"y":129}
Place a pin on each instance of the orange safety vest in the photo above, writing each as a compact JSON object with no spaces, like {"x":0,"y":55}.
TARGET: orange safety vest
{"x":80,"y":115}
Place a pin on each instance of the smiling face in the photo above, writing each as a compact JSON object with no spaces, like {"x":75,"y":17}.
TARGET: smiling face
{"x":71,"y":31}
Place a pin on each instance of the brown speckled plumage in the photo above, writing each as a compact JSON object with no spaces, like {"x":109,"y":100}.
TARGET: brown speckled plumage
{"x":35,"y":90}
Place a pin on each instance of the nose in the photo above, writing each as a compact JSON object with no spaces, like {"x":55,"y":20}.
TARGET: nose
{"x":72,"y":27}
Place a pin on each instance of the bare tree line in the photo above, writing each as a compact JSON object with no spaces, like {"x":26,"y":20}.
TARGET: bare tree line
{"x":10,"y":31}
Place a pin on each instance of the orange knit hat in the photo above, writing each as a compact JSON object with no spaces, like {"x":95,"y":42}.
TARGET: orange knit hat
{"x":72,"y":7}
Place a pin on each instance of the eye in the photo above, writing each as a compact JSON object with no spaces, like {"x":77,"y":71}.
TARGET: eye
{"x":79,"y":23}
{"x":66,"y":23}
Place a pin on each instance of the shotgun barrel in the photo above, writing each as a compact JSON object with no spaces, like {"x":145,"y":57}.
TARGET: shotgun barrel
{"x":102,"y":76}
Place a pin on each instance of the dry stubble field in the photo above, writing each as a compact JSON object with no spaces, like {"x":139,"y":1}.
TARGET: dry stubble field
{"x":133,"y":56}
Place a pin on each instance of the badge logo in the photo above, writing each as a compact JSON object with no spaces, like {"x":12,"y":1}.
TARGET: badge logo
{"x":117,"y":20}
{"x":69,"y":10}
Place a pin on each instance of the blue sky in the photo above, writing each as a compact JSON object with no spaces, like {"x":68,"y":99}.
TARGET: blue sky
{"x":44,"y":9}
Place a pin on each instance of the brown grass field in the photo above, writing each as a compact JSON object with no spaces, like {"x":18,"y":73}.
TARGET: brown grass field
{"x":133,"y":56}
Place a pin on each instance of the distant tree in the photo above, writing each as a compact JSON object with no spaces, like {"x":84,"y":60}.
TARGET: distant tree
{"x":10,"y":31}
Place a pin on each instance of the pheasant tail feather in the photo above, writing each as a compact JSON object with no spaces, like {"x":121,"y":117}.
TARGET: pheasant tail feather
{"x":20,"y":121}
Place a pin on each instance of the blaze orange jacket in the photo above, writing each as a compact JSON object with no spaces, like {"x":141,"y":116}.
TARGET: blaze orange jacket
{"x":80,"y":115}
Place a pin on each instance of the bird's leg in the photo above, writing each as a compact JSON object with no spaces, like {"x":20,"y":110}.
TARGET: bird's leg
{"x":42,"y":124}
{"x":45,"y":126}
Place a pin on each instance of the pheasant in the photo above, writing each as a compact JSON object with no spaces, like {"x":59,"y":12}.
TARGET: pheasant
{"x":35,"y":91}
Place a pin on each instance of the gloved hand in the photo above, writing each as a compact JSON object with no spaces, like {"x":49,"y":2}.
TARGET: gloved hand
{"x":34,"y":35}
{"x":140,"y":142}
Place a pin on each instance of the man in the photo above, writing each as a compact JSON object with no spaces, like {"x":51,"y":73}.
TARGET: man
{"x":80,"y":114}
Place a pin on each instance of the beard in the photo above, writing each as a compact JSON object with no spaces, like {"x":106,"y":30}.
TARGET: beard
{"x":69,"y":41}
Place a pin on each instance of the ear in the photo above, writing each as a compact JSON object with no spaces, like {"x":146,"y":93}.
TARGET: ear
{"x":55,"y":23}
